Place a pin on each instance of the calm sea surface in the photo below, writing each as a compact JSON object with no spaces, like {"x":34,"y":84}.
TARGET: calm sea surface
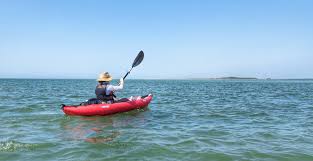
{"x":186,"y":120}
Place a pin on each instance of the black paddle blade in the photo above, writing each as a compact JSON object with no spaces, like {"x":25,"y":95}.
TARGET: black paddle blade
{"x":138,"y":59}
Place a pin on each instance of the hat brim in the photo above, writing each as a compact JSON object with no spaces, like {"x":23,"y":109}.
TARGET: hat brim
{"x":105,"y":79}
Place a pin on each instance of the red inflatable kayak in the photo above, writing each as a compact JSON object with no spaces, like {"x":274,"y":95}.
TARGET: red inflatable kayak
{"x":107,"y":109}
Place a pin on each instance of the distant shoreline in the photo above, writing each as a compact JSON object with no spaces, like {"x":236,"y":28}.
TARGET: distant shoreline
{"x":235,"y":78}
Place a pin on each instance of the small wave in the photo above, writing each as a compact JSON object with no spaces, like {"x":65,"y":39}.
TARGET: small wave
{"x":13,"y":146}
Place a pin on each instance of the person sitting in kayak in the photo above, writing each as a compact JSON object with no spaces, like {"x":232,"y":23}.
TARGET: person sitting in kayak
{"x":104,"y":90}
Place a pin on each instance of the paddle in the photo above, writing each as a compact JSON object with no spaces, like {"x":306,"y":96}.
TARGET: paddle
{"x":136,"y":62}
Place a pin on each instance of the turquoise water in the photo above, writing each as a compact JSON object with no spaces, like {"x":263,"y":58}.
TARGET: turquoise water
{"x":187,"y":120}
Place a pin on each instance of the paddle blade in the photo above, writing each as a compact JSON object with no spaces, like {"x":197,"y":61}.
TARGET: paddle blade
{"x":138,"y":59}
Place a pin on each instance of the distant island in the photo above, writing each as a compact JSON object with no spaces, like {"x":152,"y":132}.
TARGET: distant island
{"x":236,"y":78}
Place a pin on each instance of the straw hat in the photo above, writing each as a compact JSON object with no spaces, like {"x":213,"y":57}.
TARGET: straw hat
{"x":104,"y":77}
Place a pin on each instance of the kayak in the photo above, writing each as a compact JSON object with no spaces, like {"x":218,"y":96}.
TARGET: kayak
{"x":108,"y":109}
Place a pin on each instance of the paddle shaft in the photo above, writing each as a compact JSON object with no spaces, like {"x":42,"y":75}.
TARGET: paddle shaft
{"x":126,"y":75}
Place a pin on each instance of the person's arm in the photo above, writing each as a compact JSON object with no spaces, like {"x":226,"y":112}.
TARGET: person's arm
{"x":119,"y":87}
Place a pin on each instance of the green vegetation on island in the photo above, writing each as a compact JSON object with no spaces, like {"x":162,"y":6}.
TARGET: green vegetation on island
{"x":236,"y":78}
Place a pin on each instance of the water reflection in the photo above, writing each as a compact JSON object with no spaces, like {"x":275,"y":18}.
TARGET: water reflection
{"x":100,"y":129}
{"x":103,"y":139}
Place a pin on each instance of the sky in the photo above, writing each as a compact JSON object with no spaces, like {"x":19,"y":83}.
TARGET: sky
{"x":181,"y":38}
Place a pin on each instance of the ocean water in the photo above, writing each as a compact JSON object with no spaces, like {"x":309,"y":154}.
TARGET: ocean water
{"x":186,"y":120}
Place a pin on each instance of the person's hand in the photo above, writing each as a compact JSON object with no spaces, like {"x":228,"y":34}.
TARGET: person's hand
{"x":121,"y":81}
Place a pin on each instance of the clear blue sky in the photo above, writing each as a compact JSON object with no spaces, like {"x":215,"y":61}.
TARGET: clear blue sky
{"x":181,"y":39}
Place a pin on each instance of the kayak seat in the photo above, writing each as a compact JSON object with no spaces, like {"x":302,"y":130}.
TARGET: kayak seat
{"x":91,"y":101}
